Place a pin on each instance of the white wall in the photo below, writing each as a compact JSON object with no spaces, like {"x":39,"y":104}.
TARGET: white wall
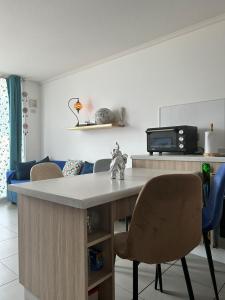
{"x":185,"y":69}
{"x":33,"y":138}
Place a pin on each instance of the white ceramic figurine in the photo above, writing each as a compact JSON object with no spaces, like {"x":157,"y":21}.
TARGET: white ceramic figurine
{"x":118,"y":163}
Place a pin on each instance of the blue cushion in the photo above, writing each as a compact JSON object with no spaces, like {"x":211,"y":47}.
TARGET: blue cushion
{"x":60,"y":163}
{"x":15,"y":181}
{"x":23,"y":170}
{"x":12,"y":196}
{"x":87,"y":168}
{"x":10,"y":174}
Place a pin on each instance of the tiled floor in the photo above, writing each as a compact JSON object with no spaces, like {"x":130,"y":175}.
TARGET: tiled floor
{"x":173,"y":279}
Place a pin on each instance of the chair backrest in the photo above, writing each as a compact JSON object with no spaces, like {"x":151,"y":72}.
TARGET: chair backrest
{"x":212,"y":212}
{"x":167,"y":220}
{"x":102,"y":165}
{"x":46,"y":170}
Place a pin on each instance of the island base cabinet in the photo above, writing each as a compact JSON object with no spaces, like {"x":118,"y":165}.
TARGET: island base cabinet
{"x":53,"y":244}
{"x":52,"y":250}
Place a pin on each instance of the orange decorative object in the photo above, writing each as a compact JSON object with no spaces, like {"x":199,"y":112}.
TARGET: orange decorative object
{"x":78,"y":106}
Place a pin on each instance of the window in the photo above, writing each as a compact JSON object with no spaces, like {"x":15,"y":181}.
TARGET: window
{"x":4,"y":136}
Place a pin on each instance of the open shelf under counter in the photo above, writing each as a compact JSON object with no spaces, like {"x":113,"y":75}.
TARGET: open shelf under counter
{"x":98,"y":237}
{"x":96,"y":278}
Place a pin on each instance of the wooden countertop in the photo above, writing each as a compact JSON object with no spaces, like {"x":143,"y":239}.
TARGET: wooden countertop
{"x":181,"y":157}
{"x":89,"y":190}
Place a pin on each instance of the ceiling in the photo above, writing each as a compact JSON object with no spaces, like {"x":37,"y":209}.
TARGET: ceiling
{"x":41,"y":39}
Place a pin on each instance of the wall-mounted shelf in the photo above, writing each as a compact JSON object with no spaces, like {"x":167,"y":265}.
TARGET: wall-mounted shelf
{"x":91,"y":127}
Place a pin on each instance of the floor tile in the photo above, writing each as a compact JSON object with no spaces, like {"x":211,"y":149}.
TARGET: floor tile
{"x":12,"y":291}
{"x":174,"y":283}
{"x":218,"y":254}
{"x":222,"y":292}
{"x":8,"y":248}
{"x":9,"y":216}
{"x":174,"y":287}
{"x":29,"y":296}
{"x":124,"y":274}
{"x":173,"y":279}
{"x":122,"y":294}
{"x":6,"y":275}
{"x":13,"y":227}
{"x":119,"y":226}
{"x":6,"y":234}
{"x":199,"y":271}
{"x":11,"y":263}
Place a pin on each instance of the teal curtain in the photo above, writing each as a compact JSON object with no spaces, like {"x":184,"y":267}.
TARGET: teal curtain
{"x":4,"y":136}
{"x":15,"y":119}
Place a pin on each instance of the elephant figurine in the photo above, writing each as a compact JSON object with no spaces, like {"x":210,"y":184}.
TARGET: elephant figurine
{"x":118,"y":163}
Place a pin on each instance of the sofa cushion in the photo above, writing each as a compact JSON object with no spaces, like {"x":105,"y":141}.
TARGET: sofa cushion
{"x":72,"y":167}
{"x":15,"y":181}
{"x":10,"y":174}
{"x":23,"y":169}
{"x":87,"y":168}
{"x":46,"y":159}
{"x":60,"y":163}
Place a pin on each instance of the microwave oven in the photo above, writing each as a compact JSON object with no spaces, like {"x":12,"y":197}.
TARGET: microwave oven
{"x":181,"y":139}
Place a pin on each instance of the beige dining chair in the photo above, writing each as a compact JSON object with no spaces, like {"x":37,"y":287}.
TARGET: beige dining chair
{"x":46,"y":170}
{"x":165,"y":226}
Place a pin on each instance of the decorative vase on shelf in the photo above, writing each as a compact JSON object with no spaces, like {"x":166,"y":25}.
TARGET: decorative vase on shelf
{"x":103,"y":116}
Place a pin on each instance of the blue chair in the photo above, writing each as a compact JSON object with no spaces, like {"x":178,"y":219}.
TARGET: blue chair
{"x":211,"y":216}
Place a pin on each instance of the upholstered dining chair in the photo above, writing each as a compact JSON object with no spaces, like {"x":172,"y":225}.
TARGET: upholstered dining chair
{"x":165,"y":226}
{"x":211,"y":216}
{"x":46,"y":170}
{"x":102,"y":165}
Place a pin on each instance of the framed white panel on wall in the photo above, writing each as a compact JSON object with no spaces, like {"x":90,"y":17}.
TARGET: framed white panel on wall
{"x":199,"y":114}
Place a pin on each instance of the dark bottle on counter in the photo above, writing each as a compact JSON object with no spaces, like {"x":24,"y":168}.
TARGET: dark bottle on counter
{"x":206,"y":181}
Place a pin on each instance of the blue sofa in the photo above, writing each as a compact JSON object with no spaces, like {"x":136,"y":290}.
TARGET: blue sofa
{"x":87,"y":167}
{"x":11,"y":179}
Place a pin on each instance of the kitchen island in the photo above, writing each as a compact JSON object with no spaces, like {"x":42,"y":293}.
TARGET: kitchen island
{"x":54,"y":238}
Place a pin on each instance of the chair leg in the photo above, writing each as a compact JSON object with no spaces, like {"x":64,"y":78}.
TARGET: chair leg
{"x":127,"y":223}
{"x":187,"y":278}
{"x":210,"y":262}
{"x":135,"y":280}
{"x":158,"y":277}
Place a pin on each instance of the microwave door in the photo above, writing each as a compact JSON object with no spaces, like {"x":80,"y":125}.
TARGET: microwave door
{"x":163,"y":140}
